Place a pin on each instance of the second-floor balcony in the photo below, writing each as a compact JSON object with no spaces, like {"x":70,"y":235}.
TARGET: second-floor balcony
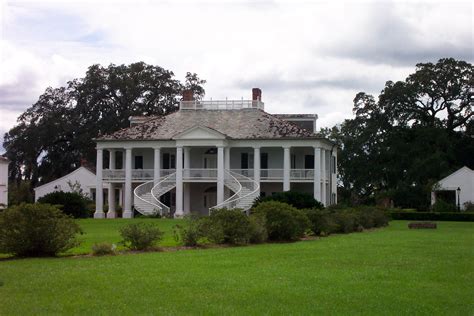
{"x":266,"y":175}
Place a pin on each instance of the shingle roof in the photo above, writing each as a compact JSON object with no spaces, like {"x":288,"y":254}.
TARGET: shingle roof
{"x":235,"y":124}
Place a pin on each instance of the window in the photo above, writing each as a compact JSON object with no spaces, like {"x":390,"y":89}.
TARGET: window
{"x":169,"y":161}
{"x":293,"y":161}
{"x":309,"y":161}
{"x":264,"y":160}
{"x":138,"y":162}
{"x":244,"y":161}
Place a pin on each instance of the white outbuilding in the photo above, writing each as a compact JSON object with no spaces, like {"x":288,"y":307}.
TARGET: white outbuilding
{"x":3,"y":182}
{"x":460,"y":184}
{"x":80,"y":179}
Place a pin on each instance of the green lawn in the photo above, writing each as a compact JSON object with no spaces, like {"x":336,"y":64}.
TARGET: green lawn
{"x":388,"y":271}
{"x":108,"y":230}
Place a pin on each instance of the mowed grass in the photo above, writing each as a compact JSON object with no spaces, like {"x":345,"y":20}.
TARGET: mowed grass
{"x":102,"y":230}
{"x":391,"y":271}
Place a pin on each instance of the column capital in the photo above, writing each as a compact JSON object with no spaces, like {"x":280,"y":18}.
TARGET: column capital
{"x":127,"y":147}
{"x":286,"y":147}
{"x":156,"y":147}
{"x":256,"y":146}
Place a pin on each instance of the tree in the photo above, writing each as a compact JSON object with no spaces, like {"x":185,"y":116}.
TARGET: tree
{"x":418,"y":131}
{"x":55,"y":133}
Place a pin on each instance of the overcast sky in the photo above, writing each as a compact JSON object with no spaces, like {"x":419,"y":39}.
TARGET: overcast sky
{"x":307,"y":57}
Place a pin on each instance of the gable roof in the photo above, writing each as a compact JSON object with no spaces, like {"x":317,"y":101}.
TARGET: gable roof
{"x":465,"y":169}
{"x":81,"y":168}
{"x":234,"y":124}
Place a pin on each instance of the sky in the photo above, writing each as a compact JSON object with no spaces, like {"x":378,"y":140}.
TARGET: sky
{"x":306,"y":56}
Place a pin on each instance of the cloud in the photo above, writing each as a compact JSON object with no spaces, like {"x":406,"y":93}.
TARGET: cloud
{"x":308,"y":57}
{"x":401,"y":34}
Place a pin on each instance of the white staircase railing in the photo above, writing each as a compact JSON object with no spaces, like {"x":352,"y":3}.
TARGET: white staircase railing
{"x":165,"y":185}
{"x":244,"y":197}
{"x":143,"y":201}
{"x":233,"y":184}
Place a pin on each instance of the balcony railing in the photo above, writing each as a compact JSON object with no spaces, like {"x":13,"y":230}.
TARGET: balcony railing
{"x":209,"y":174}
{"x":199,"y":174}
{"x":137,"y":174}
{"x":221,"y":105}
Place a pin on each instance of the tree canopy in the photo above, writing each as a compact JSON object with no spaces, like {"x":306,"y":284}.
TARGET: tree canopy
{"x":55,"y":133}
{"x":416,"y":132}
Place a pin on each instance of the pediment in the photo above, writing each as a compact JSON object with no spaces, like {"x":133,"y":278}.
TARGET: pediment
{"x":199,"y":132}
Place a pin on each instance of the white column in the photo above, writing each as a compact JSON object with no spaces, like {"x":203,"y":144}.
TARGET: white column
{"x":127,"y":209}
{"x":179,"y":182}
{"x":227,"y":167}
{"x":99,"y":189}
{"x":220,"y":174}
{"x":256,"y":164}
{"x":187,"y":161}
{"x":286,"y":168}
{"x":227,"y":158}
{"x":323,"y":177}
{"x":317,"y":174}
{"x":157,"y":165}
{"x":111,"y":196}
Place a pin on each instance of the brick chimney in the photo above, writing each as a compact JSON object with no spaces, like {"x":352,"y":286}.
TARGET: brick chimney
{"x":187,"y":95}
{"x":256,"y":94}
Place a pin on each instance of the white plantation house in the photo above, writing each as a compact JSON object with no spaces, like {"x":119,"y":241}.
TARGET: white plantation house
{"x":3,"y":182}
{"x":213,"y":154}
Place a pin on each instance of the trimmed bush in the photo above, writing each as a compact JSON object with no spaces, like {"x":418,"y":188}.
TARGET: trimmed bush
{"x":103,"y":248}
{"x":296,"y":199}
{"x":282,"y":221}
{"x":36,"y":230}
{"x":71,"y":203}
{"x":346,"y":221}
{"x":190,"y":233}
{"x":258,"y":232}
{"x":442,"y":206}
{"x":322,"y":222}
{"x":432,"y":216}
{"x":234,"y":224}
{"x":140,"y":236}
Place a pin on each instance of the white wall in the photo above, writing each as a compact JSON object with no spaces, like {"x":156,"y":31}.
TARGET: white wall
{"x":3,"y":183}
{"x":463,"y":179}
{"x":86,"y":179}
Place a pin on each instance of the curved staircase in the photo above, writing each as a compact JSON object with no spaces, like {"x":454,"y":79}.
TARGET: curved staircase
{"x":147,"y":195}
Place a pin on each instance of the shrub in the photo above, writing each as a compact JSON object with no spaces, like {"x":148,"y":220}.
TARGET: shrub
{"x":190,"y":233}
{"x":103,"y":248}
{"x":442,"y":206}
{"x":258,"y":232}
{"x":322,"y":222}
{"x":468,"y":207}
{"x":282,"y":221}
{"x":72,"y":203}
{"x":432,"y":216}
{"x":36,"y":230}
{"x":140,"y":236}
{"x":296,"y":199}
{"x":346,"y":222}
{"x":369,"y":217}
{"x":233,"y":224}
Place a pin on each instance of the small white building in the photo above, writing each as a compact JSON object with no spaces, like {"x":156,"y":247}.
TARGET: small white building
{"x":3,"y":182}
{"x":81,"y":178}
{"x":460,"y":184}
{"x":213,"y":154}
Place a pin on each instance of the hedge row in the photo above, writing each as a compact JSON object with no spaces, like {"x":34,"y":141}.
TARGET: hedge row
{"x":433,"y":216}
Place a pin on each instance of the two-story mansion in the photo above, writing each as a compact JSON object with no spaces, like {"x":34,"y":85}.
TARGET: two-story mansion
{"x":212,"y":154}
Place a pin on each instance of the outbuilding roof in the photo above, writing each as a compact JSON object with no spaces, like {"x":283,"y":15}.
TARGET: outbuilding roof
{"x":234,"y":124}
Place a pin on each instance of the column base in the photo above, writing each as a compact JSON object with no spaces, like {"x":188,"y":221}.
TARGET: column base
{"x":127,"y":214}
{"x":178,"y":215}
{"x":99,"y":214}
{"x":111,"y":214}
